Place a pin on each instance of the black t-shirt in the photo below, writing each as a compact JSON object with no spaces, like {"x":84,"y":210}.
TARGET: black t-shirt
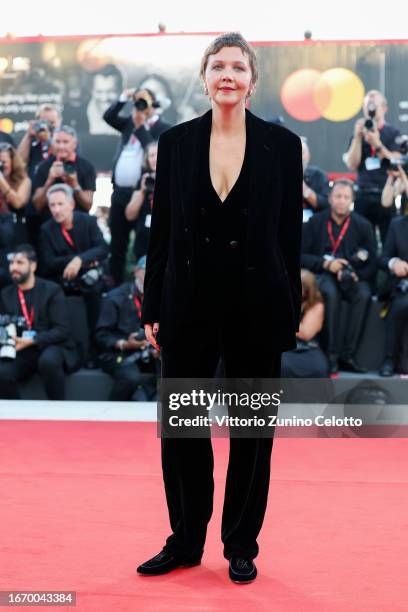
{"x":38,"y":153}
{"x":142,"y":224}
{"x":84,"y":169}
{"x":376,"y":178}
{"x":336,"y":229}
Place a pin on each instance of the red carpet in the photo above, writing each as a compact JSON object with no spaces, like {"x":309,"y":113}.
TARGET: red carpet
{"x":83,"y":505}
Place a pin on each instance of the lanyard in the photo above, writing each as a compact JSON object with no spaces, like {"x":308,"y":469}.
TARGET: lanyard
{"x":67,"y":236}
{"x":138,"y":305}
{"x":28,"y":317}
{"x":335,"y":244}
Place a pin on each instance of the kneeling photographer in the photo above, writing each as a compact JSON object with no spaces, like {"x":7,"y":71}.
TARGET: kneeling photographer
{"x":395,"y":260}
{"x":125,"y":353}
{"x":339,"y":246}
{"x":73,"y":251}
{"x":34,"y":330}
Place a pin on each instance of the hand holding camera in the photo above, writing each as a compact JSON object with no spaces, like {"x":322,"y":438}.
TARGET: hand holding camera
{"x":147,"y":182}
{"x":134,"y":343}
{"x":336,"y":265}
{"x":72,"y":269}
{"x":56,"y":171}
{"x":400,"y":268}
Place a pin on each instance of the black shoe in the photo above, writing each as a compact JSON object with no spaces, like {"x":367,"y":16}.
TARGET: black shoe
{"x":333,"y":364}
{"x":163,"y":563}
{"x":242,"y":570}
{"x":387,"y":368}
{"x":349,"y":364}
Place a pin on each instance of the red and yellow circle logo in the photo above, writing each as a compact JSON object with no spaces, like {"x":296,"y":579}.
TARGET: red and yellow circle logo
{"x":6,"y":125}
{"x":336,"y":94}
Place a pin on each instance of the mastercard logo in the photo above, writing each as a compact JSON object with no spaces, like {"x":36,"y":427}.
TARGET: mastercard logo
{"x":6,"y":125}
{"x":336,"y":94}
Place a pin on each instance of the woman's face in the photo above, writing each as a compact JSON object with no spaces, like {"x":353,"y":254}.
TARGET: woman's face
{"x":5,"y":157}
{"x":228,"y":77}
{"x":152,"y":158}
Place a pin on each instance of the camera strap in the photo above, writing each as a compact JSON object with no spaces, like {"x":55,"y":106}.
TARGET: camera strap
{"x":67,"y":236}
{"x":28,"y":317}
{"x":336,"y":243}
{"x":138,"y":305}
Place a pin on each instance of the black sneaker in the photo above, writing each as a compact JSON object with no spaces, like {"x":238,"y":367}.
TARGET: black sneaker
{"x":242,"y":570}
{"x":163,"y":563}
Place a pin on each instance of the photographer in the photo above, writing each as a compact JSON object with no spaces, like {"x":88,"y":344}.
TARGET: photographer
{"x":339,"y":246}
{"x":397,"y":179}
{"x":373,"y":141}
{"x":34,"y":332}
{"x":138,"y":130}
{"x":395,"y":260}
{"x":141,"y":205}
{"x":315,"y":183}
{"x":64,"y":166}
{"x":125,"y":352}
{"x":307,"y":360}
{"x":35,"y":146}
{"x":15,"y":189}
{"x":72,"y":250}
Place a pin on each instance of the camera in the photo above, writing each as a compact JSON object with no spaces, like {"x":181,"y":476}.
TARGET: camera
{"x":69,"y":167}
{"x":83,"y":283}
{"x":41,"y":126}
{"x":144,"y":101}
{"x":392,"y":163}
{"x":9,"y":325}
{"x":141,"y":355}
{"x":402,"y":286}
{"x":149,"y":183}
{"x":370,"y":123}
{"x":356,"y":260}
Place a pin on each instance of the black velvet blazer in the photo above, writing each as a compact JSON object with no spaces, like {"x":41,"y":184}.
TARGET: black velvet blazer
{"x":272,"y":286}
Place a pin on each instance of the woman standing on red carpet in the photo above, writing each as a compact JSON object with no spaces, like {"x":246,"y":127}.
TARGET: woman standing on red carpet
{"x":222,"y":279}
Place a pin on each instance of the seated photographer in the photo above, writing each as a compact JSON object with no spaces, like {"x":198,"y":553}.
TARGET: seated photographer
{"x":65,"y":167}
{"x":125,"y":353}
{"x":307,"y":360}
{"x":138,"y":130}
{"x":140,"y":206}
{"x":394,"y":259}
{"x":315,"y":184}
{"x":35,"y":146}
{"x":396,"y":184}
{"x":34,"y":329}
{"x":72,"y":250}
{"x":15,"y":188}
{"x":339,"y":246}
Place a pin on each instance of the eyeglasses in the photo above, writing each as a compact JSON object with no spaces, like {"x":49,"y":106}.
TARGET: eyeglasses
{"x":6,"y":146}
{"x":67,"y":129}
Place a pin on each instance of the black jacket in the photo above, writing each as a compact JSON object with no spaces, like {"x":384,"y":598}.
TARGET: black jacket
{"x":359,"y":235}
{"x":126,"y":126}
{"x":317,"y":180}
{"x":396,"y":243}
{"x":56,"y":253}
{"x":272,"y":286}
{"x":118,"y":318}
{"x":50,"y":317}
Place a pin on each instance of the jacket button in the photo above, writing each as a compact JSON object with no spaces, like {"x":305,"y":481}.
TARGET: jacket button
{"x":233,"y":244}
{"x":206,"y":239}
{"x":188,"y":262}
{"x":186,"y":229}
{"x":203,"y":211}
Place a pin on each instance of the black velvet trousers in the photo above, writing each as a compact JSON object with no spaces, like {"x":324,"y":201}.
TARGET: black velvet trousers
{"x":188,"y":462}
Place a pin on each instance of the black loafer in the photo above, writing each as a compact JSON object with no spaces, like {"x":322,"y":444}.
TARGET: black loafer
{"x":242,"y":570}
{"x":349,"y":364}
{"x":163,"y":563}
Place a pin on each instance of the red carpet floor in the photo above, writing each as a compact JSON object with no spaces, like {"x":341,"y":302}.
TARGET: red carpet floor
{"x":82,"y":505}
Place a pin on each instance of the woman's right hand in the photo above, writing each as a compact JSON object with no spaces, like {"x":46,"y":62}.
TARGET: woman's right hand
{"x":151,"y":332}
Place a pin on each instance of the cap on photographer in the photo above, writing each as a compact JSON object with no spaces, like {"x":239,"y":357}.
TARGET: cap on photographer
{"x":373,"y":141}
{"x":143,"y":126}
{"x":65,"y":166}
